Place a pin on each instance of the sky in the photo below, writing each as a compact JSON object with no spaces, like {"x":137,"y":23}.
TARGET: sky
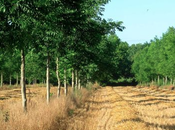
{"x":143,"y":19}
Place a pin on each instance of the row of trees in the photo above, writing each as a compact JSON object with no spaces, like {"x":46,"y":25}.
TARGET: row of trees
{"x":66,"y":42}
{"x":67,"y":38}
{"x":107,"y":62}
{"x":155,"y":61}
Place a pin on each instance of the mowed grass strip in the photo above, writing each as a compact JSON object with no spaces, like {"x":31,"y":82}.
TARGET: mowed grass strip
{"x":155,"y":107}
{"x":126,"y":117}
{"x":106,"y":110}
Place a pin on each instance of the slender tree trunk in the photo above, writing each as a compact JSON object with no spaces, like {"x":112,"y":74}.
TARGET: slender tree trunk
{"x":44,"y":81}
{"x":152,"y":82}
{"x":65,"y":80}
{"x":29,"y":81}
{"x":79,"y":83}
{"x":47,"y":78}
{"x":35,"y":81}
{"x":87,"y":80}
{"x":158,"y":80}
{"x":166,"y":79}
{"x":23,"y":85}
{"x":1,"y":79}
{"x":73,"y":79}
{"x":155,"y":80}
{"x":17,"y":80}
{"x":163,"y":81}
{"x":76,"y":79}
{"x":58,"y":77}
{"x":10,"y":80}
{"x":171,"y":81}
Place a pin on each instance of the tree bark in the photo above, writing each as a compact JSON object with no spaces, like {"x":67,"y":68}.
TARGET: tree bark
{"x":152,"y":82}
{"x":79,"y":83}
{"x":44,"y":81}
{"x":47,"y":78}
{"x":23,"y":85}
{"x":34,"y":81}
{"x":58,"y":77}
{"x":73,"y":79}
{"x":87,"y":80}
{"x":158,"y":80}
{"x":10,"y":80}
{"x":65,"y":84}
{"x":76,"y":79}
{"x":163,"y":81}
{"x":1,"y":79}
{"x":171,"y":81}
{"x":17,"y":80}
{"x":166,"y":79}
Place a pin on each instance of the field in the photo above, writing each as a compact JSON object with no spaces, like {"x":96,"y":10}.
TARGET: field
{"x":107,"y":108}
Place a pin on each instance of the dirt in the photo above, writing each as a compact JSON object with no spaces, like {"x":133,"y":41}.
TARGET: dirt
{"x":126,"y":108}
{"x":155,"y":107}
{"x":106,"y":110}
{"x":115,"y":108}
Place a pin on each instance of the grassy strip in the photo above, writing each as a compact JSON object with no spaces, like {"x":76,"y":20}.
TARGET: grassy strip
{"x":41,"y":116}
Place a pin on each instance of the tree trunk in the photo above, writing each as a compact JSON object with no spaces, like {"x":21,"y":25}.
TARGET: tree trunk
{"x":73,"y":79}
{"x":166,"y":79}
{"x":58,"y":77}
{"x":152,"y":82}
{"x":17,"y":80}
{"x":76,"y":79}
{"x":87,"y":81}
{"x":10,"y":80}
{"x":163,"y":81}
{"x":44,"y":81}
{"x":65,"y":84}
{"x":1,"y":79}
{"x":34,"y":81}
{"x":23,"y":85}
{"x":171,"y":81}
{"x":29,"y":81}
{"x":79,"y":83}
{"x":47,"y":78}
{"x":158,"y":80}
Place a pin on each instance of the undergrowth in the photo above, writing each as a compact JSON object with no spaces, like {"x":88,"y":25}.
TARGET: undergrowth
{"x":41,"y":116}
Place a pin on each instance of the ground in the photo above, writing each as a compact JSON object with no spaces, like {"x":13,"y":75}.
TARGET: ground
{"x":116,"y":108}
{"x":126,"y":108}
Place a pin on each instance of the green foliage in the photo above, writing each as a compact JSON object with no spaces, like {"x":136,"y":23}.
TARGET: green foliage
{"x":51,"y":94}
{"x":70,"y":112}
{"x":69,"y":29}
{"x":155,"y":62}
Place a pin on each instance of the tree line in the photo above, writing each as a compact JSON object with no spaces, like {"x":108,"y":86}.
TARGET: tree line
{"x":154,"y":61}
{"x":67,"y":42}
{"x":62,"y":41}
